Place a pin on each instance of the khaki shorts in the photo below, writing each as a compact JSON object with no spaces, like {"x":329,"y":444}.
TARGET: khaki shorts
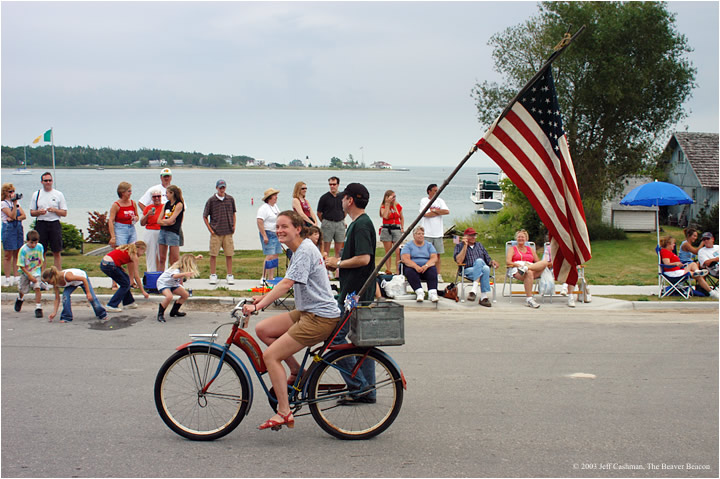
{"x":437,"y":243}
{"x":226,"y":241}
{"x":333,"y":231}
{"x":309,"y":329}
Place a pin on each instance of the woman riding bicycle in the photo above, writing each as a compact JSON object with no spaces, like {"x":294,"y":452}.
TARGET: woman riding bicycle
{"x":314,"y":318}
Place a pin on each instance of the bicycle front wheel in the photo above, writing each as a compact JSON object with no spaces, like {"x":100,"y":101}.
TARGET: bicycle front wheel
{"x":359,"y":405}
{"x":192,"y":413}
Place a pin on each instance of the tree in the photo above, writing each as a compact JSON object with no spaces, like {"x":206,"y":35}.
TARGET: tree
{"x":621,"y":85}
{"x":336,"y":162}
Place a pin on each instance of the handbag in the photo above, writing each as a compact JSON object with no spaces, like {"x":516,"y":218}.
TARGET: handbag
{"x":451,"y":292}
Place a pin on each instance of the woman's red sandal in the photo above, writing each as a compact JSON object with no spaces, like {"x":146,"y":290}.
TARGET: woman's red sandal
{"x":287,"y":419}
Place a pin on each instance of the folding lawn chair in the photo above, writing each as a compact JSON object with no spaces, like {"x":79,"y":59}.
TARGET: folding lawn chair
{"x":509,"y":277}
{"x":670,"y":285}
{"x":460,"y":275}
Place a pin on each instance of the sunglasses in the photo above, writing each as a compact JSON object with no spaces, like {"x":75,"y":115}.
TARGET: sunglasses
{"x":304,"y":188}
{"x":47,"y":181}
{"x":157,"y":196}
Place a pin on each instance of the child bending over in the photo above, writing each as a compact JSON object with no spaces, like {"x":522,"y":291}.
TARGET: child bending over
{"x":71,"y":279}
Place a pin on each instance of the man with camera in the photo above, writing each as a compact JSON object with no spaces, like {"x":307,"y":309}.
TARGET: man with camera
{"x":48,"y":206}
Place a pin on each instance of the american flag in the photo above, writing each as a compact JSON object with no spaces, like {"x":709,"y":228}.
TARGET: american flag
{"x":530,"y":146}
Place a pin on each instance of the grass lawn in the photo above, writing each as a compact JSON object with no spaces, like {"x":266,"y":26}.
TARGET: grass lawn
{"x":622,"y":262}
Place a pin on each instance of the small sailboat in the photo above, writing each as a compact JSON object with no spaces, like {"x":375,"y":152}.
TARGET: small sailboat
{"x":23,"y":170}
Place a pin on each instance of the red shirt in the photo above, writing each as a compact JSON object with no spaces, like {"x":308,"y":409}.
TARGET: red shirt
{"x":125,"y":214}
{"x":119,"y":257}
{"x":152,"y":220}
{"x":394,"y":216}
{"x":665,"y":253}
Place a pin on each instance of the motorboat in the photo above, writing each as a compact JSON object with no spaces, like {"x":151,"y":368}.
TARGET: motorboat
{"x":488,"y":196}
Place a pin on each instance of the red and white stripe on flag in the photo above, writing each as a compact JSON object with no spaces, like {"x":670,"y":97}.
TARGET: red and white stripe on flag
{"x":530,"y":146}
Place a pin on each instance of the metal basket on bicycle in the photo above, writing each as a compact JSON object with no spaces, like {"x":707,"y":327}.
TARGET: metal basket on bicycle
{"x":379,"y":323}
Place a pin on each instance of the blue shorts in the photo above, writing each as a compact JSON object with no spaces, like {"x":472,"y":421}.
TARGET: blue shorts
{"x":12,"y":235}
{"x":168,"y":238}
{"x":124,"y":234}
{"x":273,"y":244}
{"x":171,"y":288}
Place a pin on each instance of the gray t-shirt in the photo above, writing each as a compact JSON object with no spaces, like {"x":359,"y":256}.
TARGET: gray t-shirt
{"x":312,"y":286}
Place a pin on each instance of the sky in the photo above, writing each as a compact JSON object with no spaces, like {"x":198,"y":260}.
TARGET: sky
{"x":383,"y":81}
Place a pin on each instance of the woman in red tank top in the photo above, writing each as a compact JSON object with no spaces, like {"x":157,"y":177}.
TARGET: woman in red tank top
{"x":524,"y":265}
{"x":112,"y":265}
{"x":123,"y":216}
{"x":302,"y":206}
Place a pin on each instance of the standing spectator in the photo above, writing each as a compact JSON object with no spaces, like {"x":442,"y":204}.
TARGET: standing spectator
{"x":221,"y":210}
{"x":170,"y":223}
{"x":266,"y":219}
{"x":355,"y":266}
{"x":50,"y":206}
{"x":151,"y":214}
{"x":12,"y":231}
{"x":112,"y":264}
{"x":165,"y":181}
{"x":123,"y":216}
{"x":477,"y":265}
{"x":433,"y":223}
{"x":302,"y":205}
{"x":708,"y":254}
{"x":393,"y":227}
{"x":332,"y":217}
{"x":29,"y":263}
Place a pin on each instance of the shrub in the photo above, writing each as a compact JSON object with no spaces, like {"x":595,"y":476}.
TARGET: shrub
{"x":708,"y":221}
{"x":98,"y":229}
{"x":71,"y":236}
{"x":598,"y":230}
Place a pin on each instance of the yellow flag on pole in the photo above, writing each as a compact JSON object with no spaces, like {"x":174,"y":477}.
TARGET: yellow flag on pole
{"x":37,"y":140}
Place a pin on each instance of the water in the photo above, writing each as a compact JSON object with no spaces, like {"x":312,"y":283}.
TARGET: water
{"x":89,"y":190}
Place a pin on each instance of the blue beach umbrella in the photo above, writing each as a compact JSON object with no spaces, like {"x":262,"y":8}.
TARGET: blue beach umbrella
{"x":657,"y":193}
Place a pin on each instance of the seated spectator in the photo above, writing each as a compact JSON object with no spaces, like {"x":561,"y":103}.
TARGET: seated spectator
{"x":477,"y":263}
{"x":676,"y":268}
{"x":708,"y":254}
{"x":687,"y":252}
{"x":419,"y":258}
{"x":524,"y":265}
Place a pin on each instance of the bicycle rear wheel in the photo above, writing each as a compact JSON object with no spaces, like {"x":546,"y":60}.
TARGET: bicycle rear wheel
{"x":186,"y":409}
{"x":366,"y":407}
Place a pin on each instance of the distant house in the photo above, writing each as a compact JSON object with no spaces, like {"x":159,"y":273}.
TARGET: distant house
{"x":178,"y":162}
{"x":228,"y":160}
{"x":694,"y":168}
{"x":381,"y":165}
{"x":629,"y":218}
{"x":156,"y":163}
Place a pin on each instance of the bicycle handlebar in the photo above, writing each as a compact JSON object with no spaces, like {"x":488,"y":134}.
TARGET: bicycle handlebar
{"x":237,"y":313}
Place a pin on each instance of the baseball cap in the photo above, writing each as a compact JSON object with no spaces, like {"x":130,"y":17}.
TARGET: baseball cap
{"x":356,"y":191}
{"x":469,"y":232}
{"x":707,"y":235}
{"x":165,"y":172}
{"x":220,"y":183}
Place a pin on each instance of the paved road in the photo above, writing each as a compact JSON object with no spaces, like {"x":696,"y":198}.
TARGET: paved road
{"x":488,"y":395}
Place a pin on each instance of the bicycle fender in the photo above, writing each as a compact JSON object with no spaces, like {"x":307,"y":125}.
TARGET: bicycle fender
{"x":230,"y":356}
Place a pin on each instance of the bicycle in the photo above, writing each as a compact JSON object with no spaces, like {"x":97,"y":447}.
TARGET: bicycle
{"x":203,"y":391}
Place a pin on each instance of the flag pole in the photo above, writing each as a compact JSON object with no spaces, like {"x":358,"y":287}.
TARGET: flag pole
{"x":567,"y":40}
{"x":52,"y":143}
{"x":409,"y":229}
{"x":559,"y":48}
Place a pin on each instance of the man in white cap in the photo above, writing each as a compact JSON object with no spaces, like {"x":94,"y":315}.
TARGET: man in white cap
{"x":221,"y":210}
{"x":165,"y":181}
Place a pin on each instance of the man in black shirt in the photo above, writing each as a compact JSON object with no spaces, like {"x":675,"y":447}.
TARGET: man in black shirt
{"x":332,"y":217}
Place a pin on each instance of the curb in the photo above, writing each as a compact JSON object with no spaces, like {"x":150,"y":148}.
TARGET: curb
{"x":602,"y":304}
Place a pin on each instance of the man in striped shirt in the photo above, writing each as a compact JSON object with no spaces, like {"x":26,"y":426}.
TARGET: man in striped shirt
{"x":477,"y":263}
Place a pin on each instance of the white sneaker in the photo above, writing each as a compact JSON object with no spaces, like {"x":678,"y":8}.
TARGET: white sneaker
{"x":571,"y":301}
{"x":230,"y":279}
{"x":714,"y":293}
{"x":433,"y":296}
{"x":213,"y":279}
{"x":564,"y":290}
{"x":132,"y":306}
{"x":110,"y":309}
{"x":419,"y":297}
{"x":531,"y":303}
{"x":522,"y":269}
